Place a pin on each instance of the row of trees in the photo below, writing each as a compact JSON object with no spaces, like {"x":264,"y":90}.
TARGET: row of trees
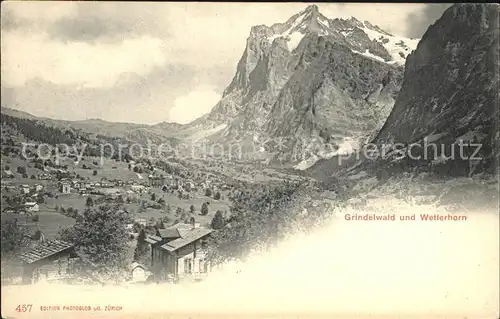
{"x":259,"y":216}
{"x":217,"y":195}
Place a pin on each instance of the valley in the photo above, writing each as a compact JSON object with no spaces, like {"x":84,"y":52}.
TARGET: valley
{"x":335,"y":140}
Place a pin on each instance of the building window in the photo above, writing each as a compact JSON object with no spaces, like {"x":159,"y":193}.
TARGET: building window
{"x":187,"y":265}
{"x":202,"y":266}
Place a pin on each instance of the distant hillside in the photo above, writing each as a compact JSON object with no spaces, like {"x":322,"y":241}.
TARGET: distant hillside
{"x":135,"y":133}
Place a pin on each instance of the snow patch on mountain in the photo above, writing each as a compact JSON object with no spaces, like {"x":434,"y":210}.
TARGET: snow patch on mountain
{"x":206,"y":133}
{"x":294,"y":40}
{"x":370,"y":55}
{"x":398,"y":47}
{"x":347,"y":146}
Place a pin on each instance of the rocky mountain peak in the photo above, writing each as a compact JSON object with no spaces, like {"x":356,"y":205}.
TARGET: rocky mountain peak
{"x":450,"y":88}
{"x":311,"y":76}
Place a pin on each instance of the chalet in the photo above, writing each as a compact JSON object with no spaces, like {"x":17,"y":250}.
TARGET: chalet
{"x":38,"y":187}
{"x":79,"y":185}
{"x":138,"y":272}
{"x":31,"y":206}
{"x":44,"y":176}
{"x":119,"y":182}
{"x":156,"y":181}
{"x":138,"y":188}
{"x":179,"y":252}
{"x":7,"y":174}
{"x":141,"y":221}
{"x":25,"y":189}
{"x":65,"y":188}
{"x":53,"y":260}
{"x":97,"y":184}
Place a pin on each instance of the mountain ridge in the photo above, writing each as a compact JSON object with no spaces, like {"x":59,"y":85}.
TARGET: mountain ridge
{"x":278,"y":67}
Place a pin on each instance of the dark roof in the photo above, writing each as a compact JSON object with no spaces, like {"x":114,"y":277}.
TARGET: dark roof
{"x":134,"y":265}
{"x":44,"y":250}
{"x":150,"y":240}
{"x":186,"y":239}
{"x":169,"y":233}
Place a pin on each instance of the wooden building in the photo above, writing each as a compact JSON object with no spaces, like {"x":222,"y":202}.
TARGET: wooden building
{"x":156,"y":180}
{"x":179,"y":252}
{"x":138,"y":272}
{"x":65,"y":187}
{"x":53,"y":260}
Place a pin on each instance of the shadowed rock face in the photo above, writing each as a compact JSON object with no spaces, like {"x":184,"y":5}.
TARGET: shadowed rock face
{"x":450,"y":84}
{"x":449,"y":94}
{"x":310,"y":77}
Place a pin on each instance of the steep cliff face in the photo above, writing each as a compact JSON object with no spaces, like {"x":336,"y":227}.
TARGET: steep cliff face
{"x":309,"y":78}
{"x":450,"y":88}
{"x":445,"y":118}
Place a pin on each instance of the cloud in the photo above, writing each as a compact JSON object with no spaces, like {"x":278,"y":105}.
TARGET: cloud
{"x":111,"y":21}
{"x":136,"y":61}
{"x":39,"y":11}
{"x":419,"y":22}
{"x":30,"y":56}
{"x":391,"y":17}
{"x":196,"y":103}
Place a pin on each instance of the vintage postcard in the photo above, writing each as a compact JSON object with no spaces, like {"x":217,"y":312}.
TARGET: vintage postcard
{"x":249,"y":160}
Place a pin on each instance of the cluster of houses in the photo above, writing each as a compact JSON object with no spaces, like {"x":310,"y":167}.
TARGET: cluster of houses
{"x":102,"y":187}
{"x":29,"y":194}
{"x":178,"y":253}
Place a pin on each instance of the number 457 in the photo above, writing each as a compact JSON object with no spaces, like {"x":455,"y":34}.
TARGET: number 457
{"x":23,"y":308}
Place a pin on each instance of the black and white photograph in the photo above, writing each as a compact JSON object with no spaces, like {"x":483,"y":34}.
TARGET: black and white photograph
{"x":249,"y":160}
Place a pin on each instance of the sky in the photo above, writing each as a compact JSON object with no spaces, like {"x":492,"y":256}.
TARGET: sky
{"x":147,"y":62}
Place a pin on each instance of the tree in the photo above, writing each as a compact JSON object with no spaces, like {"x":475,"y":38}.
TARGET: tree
{"x":21,"y":170}
{"x":192,"y":221}
{"x":178,"y":212}
{"x":13,"y":236}
{"x":100,"y":235}
{"x":153,"y":197}
{"x":40,"y":199}
{"x":191,"y":209}
{"x":160,"y":225}
{"x":208,"y":192}
{"x":94,"y":173}
{"x":89,"y":202}
{"x":204,"y":209}
{"x":217,"y":196}
{"x":142,"y":248}
{"x":218,"y":221}
{"x":33,"y":177}
{"x":35,"y":218}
